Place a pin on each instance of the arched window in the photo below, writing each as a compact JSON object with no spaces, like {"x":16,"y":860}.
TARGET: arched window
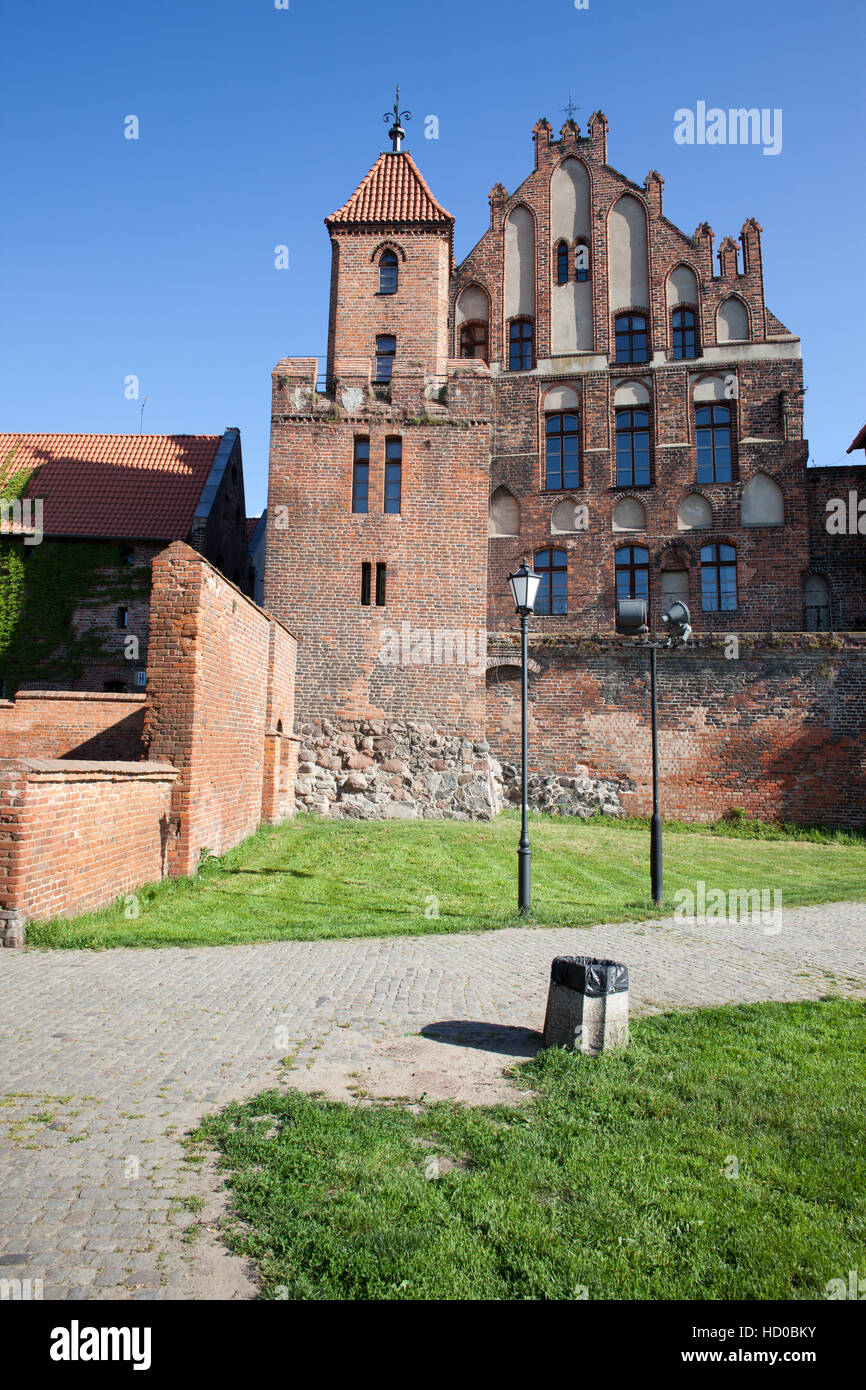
{"x":504,"y":515}
{"x":762,"y":503}
{"x":713,"y":440}
{"x":562,"y":450}
{"x":520,"y":345}
{"x":581,"y":261}
{"x":473,"y":340}
{"x":718,"y":578}
{"x":694,"y":513}
{"x":631,"y":337}
{"x":632,"y":448}
{"x":732,"y":321}
{"x":388,"y":273}
{"x":562,"y":263}
{"x":386,"y":347}
{"x":552,"y":591}
{"x":629,"y":515}
{"x":684,"y":333}
{"x":632,"y":572}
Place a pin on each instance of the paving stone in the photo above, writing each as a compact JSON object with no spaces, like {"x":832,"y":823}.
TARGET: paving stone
{"x":445,"y":1015}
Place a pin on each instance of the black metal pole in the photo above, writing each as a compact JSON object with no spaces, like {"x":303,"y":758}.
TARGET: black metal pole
{"x":524,"y":853}
{"x":656,"y":822}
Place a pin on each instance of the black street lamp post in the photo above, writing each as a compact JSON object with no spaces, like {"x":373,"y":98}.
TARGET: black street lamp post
{"x":524,"y":586}
{"x":631,"y":619}
{"x":656,"y":822}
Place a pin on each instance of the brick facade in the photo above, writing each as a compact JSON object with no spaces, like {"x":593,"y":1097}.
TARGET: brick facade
{"x":475,"y":494}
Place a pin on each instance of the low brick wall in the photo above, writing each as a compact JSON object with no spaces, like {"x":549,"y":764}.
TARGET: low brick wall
{"x":221,"y":675}
{"x":76,"y":834}
{"x":72,"y":724}
{"x":779,"y":731}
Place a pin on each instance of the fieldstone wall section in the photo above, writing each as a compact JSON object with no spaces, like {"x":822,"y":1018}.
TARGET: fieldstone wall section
{"x":396,"y":770}
{"x":567,"y":794}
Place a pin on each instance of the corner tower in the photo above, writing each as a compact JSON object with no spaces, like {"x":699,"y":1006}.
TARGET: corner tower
{"x":377,"y":519}
{"x":391,"y":249}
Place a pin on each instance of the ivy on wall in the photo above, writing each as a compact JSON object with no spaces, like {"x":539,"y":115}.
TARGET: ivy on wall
{"x":42,"y":588}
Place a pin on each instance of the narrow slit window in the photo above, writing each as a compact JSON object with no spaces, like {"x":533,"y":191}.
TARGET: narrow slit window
{"x":380,"y":585}
{"x":365,"y":584}
{"x":393,"y":474}
{"x":388,"y":273}
{"x":123,"y":618}
{"x":386,"y":348}
{"x":361,"y":476}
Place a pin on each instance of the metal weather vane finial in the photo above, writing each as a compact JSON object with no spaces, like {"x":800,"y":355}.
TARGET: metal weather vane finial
{"x":570,"y":108}
{"x":397,"y":133}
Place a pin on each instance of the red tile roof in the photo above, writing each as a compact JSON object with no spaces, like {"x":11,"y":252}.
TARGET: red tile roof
{"x":116,"y":485}
{"x":252,"y":523}
{"x":393,"y":191}
{"x":859,"y":441}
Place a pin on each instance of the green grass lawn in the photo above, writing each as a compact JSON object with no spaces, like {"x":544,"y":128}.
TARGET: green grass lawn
{"x":313,"y":878}
{"x":720,"y":1157}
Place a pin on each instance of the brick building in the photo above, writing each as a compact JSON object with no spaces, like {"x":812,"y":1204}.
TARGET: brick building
{"x":591,"y":387}
{"x":83,"y":516}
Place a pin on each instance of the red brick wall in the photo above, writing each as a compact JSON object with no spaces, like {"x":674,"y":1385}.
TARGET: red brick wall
{"x":780,"y":731}
{"x":417,"y":315}
{"x":767,"y":376}
{"x":212,"y":655}
{"x":63,"y":724}
{"x":435,"y":551}
{"x":74,"y":835}
{"x":840,"y":557}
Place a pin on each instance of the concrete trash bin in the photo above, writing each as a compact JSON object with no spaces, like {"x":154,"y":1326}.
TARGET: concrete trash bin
{"x":587,"y":1005}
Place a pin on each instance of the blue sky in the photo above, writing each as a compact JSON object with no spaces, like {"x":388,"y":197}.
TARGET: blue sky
{"x":155,"y":257}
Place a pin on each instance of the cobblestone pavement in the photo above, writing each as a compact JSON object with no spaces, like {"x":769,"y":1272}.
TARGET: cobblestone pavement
{"x":109,"y":1057}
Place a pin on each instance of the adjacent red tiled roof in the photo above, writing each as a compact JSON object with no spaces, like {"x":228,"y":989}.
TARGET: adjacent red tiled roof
{"x":252,"y":523}
{"x":859,"y":441}
{"x":393,"y":191}
{"x":115,"y":485}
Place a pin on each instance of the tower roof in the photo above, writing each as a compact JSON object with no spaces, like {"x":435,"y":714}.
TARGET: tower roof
{"x":393,"y":191}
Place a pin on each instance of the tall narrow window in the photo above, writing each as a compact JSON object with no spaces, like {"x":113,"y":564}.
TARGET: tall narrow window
{"x":713,"y":439}
{"x":562,"y":451}
{"x":388,"y":273}
{"x":520,"y":345}
{"x":631,"y":337}
{"x":386,"y":347}
{"x":553,"y":589}
{"x":581,"y":261}
{"x":632,"y":448}
{"x":365,"y":583}
{"x":632,"y":572}
{"x":380,"y":585}
{"x":685,"y":336}
{"x":393,"y":474}
{"x":718,"y":578}
{"x":562,"y":263}
{"x":473,"y":339}
{"x":123,"y":618}
{"x":361,"y":476}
